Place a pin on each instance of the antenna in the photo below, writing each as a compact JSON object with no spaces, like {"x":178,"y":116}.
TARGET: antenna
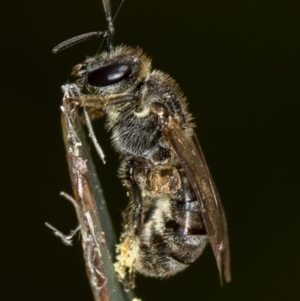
{"x":108,"y":34}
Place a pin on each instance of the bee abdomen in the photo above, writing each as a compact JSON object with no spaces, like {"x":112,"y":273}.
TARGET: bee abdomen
{"x":170,"y":252}
{"x":172,"y":238}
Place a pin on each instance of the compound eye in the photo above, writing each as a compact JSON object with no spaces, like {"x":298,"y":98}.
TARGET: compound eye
{"x":109,"y":75}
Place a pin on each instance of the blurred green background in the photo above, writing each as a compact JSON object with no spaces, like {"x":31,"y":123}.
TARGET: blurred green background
{"x":238,"y":64}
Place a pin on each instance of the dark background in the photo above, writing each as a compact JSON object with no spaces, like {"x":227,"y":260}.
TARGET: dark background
{"x":238,"y":64}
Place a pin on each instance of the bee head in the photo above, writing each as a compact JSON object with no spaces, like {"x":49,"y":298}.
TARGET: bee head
{"x":120,"y":71}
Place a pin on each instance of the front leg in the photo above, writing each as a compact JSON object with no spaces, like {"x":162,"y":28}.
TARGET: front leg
{"x":73,"y":93}
{"x":96,"y":105}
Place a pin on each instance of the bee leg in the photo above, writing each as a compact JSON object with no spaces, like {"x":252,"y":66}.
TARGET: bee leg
{"x":162,"y":112}
{"x":102,"y":102}
{"x":159,"y":109}
{"x":92,"y":101}
{"x":119,"y":99}
{"x":128,"y":248}
{"x":96,"y":105}
{"x":133,"y":167}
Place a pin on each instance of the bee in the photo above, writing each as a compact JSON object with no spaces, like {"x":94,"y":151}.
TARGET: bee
{"x":174,"y":209}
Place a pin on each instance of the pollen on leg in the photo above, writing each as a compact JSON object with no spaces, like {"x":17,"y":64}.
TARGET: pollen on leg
{"x":127,"y":252}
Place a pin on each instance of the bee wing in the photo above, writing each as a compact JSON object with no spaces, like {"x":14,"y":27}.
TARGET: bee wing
{"x":193,"y":162}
